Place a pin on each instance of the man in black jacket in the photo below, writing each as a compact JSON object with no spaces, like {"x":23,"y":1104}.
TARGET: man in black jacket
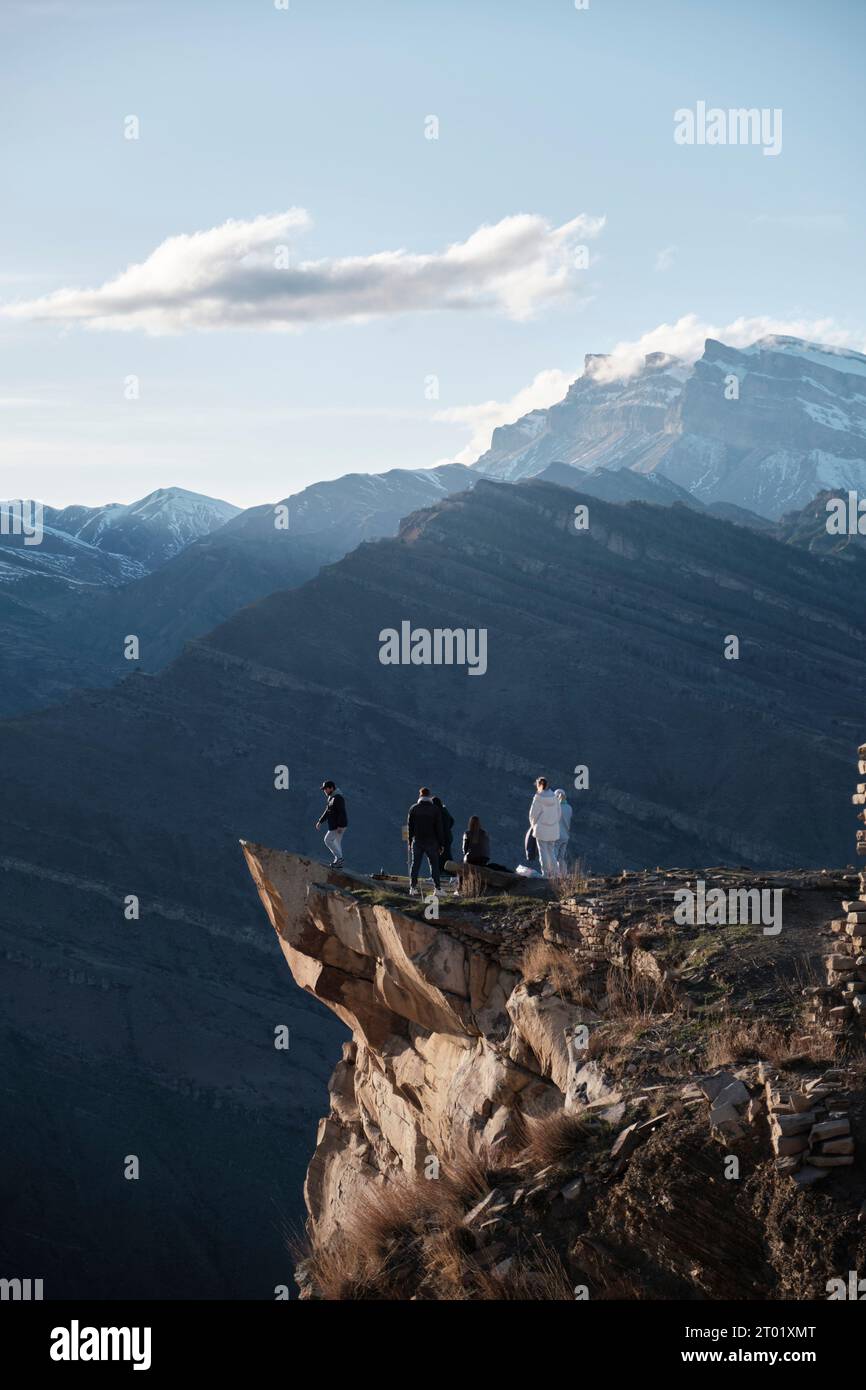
{"x":447,"y":833}
{"x":426,"y":834}
{"x":335,"y":814}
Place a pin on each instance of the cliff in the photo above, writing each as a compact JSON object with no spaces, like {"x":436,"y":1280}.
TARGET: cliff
{"x":579,"y":1098}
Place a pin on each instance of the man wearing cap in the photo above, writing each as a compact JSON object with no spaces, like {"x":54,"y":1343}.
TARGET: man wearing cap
{"x":335,"y":814}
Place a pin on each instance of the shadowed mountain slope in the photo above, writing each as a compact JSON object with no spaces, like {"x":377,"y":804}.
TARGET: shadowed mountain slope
{"x":59,"y":641}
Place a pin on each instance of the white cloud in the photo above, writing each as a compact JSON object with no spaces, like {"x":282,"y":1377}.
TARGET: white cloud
{"x":665,"y":258}
{"x":235,"y":276}
{"x":545,"y":389}
{"x":685,"y":339}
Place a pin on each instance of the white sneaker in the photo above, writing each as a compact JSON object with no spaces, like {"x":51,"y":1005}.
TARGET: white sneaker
{"x":414,"y":893}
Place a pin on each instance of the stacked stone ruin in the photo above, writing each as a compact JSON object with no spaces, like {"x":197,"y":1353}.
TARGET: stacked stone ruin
{"x":810,"y":1127}
{"x":839,"y":1006}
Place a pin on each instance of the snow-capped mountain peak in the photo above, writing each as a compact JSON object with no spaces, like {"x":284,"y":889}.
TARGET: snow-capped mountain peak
{"x":764,"y":427}
{"x":136,"y":536}
{"x":820,"y":354}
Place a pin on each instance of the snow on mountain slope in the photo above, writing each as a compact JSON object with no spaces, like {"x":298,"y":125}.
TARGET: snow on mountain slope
{"x":62,"y":562}
{"x":109,"y":545}
{"x":765,"y":427}
{"x":822,"y":354}
{"x":157,"y":526}
{"x":598,"y":423}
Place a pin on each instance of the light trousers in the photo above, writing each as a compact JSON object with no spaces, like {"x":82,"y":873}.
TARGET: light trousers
{"x":547,"y":856}
{"x":334,"y":842}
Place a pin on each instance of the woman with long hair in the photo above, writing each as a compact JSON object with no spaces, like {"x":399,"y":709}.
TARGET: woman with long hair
{"x":476,"y":843}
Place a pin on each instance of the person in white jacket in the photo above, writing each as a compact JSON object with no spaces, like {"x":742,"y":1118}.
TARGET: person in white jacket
{"x":564,"y":828}
{"x":545,"y":819}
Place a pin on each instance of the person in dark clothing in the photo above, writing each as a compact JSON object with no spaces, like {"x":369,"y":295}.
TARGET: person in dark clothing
{"x":476,"y":843}
{"x":335,"y":814}
{"x":530,"y":847}
{"x":447,"y":833}
{"x":427,"y":838}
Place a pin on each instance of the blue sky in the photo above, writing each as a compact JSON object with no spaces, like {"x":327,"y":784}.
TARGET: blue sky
{"x":247,"y":110}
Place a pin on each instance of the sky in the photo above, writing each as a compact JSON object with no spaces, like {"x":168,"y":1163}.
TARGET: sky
{"x":281,"y":277}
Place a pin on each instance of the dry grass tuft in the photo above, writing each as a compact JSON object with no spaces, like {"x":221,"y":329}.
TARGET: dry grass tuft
{"x":407,"y":1240}
{"x":634,"y":1006}
{"x":573,"y":883}
{"x":737,"y":1040}
{"x":636,"y":999}
{"x":555,"y":1139}
{"x":380,"y":1253}
{"x":539,"y":1275}
{"x":543,"y":961}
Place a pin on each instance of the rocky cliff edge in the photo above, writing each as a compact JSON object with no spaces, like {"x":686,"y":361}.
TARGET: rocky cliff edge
{"x":572,"y":1099}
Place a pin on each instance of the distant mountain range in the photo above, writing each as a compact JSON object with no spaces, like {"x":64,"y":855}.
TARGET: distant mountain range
{"x":155,"y":1036}
{"x":63,"y":625}
{"x":111,"y":544}
{"x":765,"y":427}
{"x":50,"y":592}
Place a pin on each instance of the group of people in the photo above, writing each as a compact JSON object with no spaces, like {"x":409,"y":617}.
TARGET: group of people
{"x":431,"y":833}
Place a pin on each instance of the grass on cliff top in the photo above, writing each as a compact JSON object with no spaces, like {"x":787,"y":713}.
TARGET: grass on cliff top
{"x":488,"y":911}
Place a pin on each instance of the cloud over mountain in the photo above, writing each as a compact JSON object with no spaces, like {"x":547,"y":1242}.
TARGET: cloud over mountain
{"x":545,"y":389}
{"x":244,"y":275}
{"x":686,"y":337}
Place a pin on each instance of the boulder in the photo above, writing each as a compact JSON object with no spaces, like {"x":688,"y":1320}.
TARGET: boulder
{"x":733,"y":1094}
{"x":713,"y":1085}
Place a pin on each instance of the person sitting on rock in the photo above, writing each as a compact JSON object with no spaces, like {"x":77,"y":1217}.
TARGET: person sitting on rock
{"x":426,"y":836}
{"x":476,"y":843}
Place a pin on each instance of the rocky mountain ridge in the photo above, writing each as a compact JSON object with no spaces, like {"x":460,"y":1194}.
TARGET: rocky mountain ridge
{"x":765,"y":427}
{"x":69,"y":630}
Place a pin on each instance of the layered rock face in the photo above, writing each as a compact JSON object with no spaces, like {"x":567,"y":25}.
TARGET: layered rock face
{"x":442,"y":1032}
{"x":470,"y":1037}
{"x":602,"y":1169}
